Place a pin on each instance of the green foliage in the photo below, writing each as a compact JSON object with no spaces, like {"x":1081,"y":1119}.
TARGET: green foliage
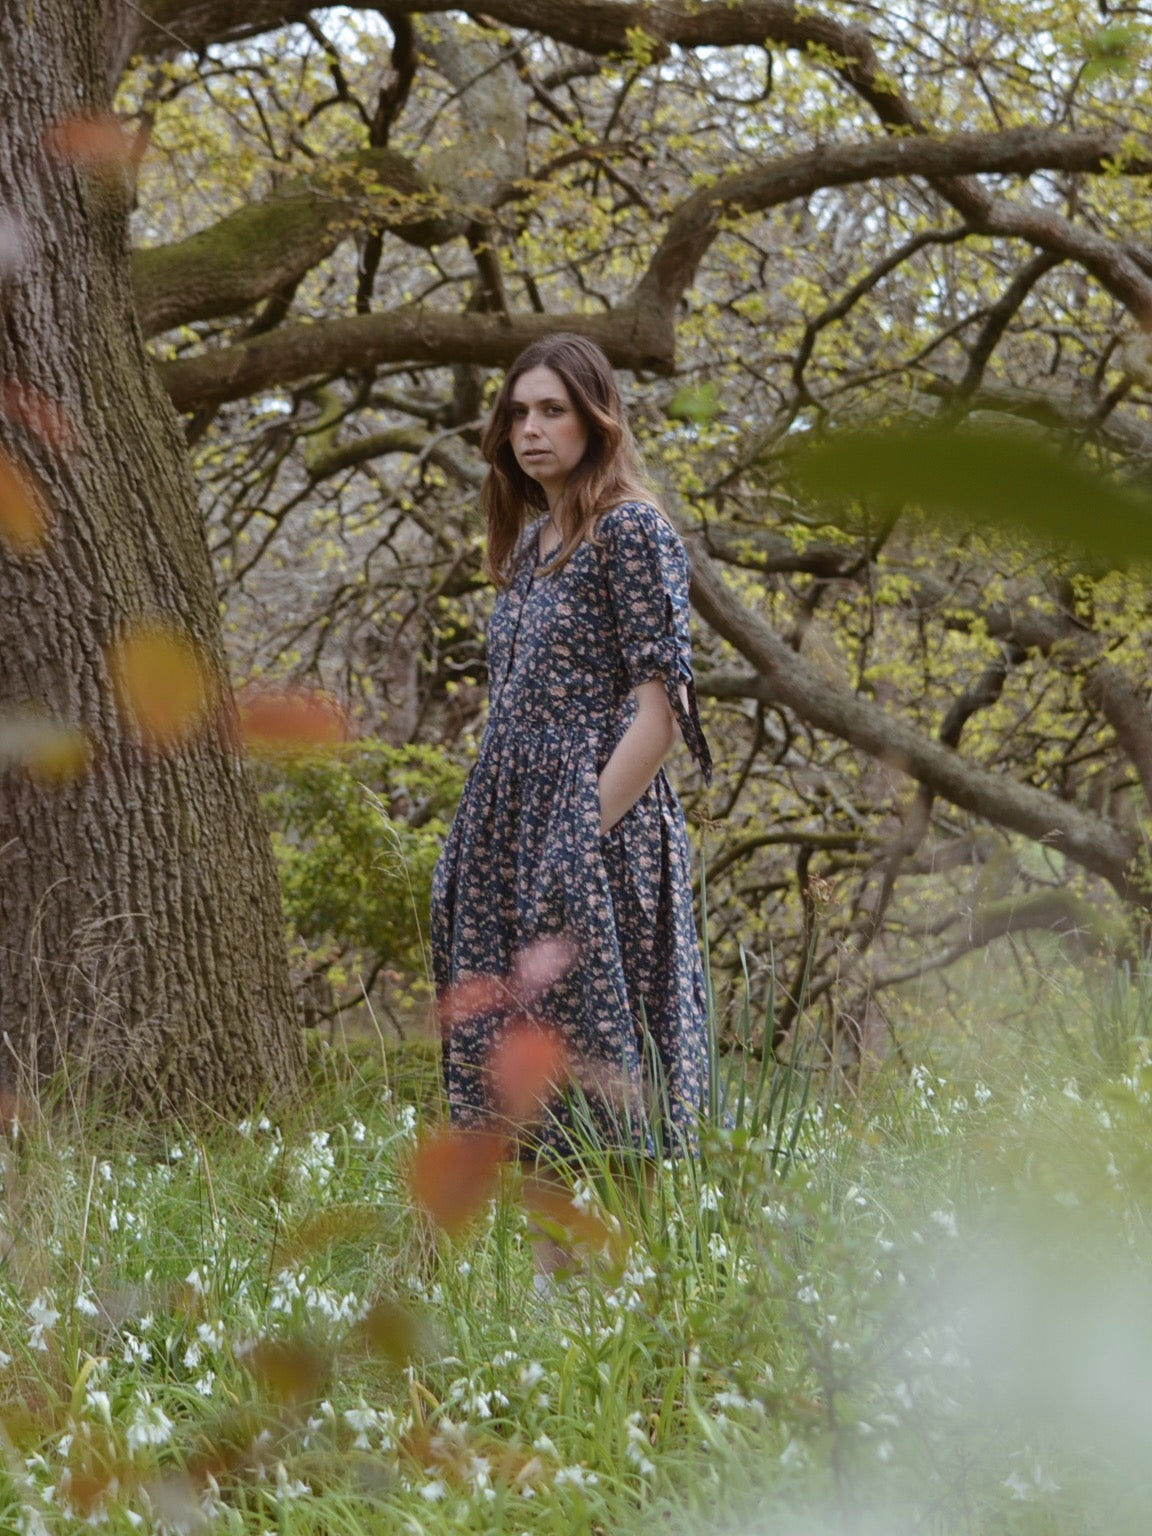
{"x":932,"y":1319}
{"x":1114,"y":50}
{"x":356,"y":836}
{"x":698,"y":404}
{"x":1003,"y":477}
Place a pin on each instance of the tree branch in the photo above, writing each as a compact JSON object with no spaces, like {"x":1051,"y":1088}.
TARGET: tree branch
{"x":789,"y":680}
{"x":1018,"y":151}
{"x":269,"y":246}
{"x":416,"y":335}
{"x":1125,"y":707}
{"x":1056,"y":911}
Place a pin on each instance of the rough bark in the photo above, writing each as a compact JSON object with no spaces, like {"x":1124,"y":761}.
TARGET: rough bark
{"x":142,"y":936}
{"x":1124,"y":704}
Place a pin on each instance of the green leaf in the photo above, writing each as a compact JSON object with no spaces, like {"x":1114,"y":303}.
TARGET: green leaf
{"x":697,"y":403}
{"x":999,"y":477}
{"x":1114,"y":50}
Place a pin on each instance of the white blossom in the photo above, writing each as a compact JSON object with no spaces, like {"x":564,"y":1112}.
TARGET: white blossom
{"x":149,"y":1424}
{"x":43,"y":1317}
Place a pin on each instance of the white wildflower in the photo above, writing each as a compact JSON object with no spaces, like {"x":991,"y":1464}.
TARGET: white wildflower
{"x":434,"y":1491}
{"x":531,"y":1375}
{"x":945,"y":1221}
{"x":289,"y":1488}
{"x":709,"y":1197}
{"x":584,"y":1197}
{"x":638,"y":1447}
{"x":365,"y":1421}
{"x":136,"y":1351}
{"x":793,"y":1455}
{"x":211,"y":1334}
{"x":149,"y":1424}
{"x":574,"y":1477}
{"x":43,"y":1317}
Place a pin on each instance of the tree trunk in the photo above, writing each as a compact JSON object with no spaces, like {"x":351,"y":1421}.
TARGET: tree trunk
{"x":141,"y":941}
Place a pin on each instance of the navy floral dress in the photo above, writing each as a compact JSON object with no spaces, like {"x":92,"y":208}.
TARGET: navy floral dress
{"x":525,"y":859}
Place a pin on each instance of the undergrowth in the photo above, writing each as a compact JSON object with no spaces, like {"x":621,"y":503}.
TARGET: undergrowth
{"x":919,"y":1303}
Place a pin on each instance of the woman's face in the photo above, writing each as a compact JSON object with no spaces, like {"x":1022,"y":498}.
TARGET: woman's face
{"x":547,"y":433}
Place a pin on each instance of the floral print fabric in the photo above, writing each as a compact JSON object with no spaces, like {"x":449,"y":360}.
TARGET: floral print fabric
{"x":525,"y":859}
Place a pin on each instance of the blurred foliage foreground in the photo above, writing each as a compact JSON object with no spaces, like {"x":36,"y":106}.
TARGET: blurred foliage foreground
{"x":923,"y":1307}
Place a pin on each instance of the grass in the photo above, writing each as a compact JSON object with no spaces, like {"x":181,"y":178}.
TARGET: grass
{"x":921,"y":1305}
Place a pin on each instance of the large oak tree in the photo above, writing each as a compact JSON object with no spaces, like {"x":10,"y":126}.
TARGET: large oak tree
{"x":140,"y":931}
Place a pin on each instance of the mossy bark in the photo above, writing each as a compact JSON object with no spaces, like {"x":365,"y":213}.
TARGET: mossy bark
{"x":141,"y":942}
{"x":265,"y":247}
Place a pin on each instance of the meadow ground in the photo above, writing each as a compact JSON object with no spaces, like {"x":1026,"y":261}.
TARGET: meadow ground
{"x":920,"y":1303}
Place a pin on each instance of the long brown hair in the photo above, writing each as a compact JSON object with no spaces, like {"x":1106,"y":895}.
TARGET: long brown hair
{"x":608,"y":474}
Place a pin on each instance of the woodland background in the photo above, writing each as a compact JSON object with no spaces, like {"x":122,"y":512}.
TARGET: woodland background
{"x":878,"y":283}
{"x":786,"y":224}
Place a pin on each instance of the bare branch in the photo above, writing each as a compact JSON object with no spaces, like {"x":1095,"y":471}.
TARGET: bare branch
{"x":298,"y":352}
{"x":790,"y":681}
{"x":1018,"y":151}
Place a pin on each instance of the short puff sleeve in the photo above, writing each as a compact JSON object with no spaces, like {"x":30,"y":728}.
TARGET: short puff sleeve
{"x":646,"y":570}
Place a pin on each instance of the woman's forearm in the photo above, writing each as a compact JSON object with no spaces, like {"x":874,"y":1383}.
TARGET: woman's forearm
{"x":638,"y":754}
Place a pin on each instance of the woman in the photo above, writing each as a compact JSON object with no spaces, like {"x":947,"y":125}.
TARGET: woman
{"x":568,"y":829}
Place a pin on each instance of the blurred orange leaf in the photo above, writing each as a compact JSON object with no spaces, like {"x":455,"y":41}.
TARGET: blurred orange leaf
{"x":45,"y":748}
{"x":526,"y":1067}
{"x":453,"y":1173}
{"x":294,"y":1371}
{"x":337,"y":1223}
{"x":553,"y":1204}
{"x":540,"y":964}
{"x":23,"y":508}
{"x":161,"y":683}
{"x":393,"y":1332}
{"x":44,"y":417}
{"x":95,"y":141}
{"x":469,"y":998}
{"x":290,"y":720}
